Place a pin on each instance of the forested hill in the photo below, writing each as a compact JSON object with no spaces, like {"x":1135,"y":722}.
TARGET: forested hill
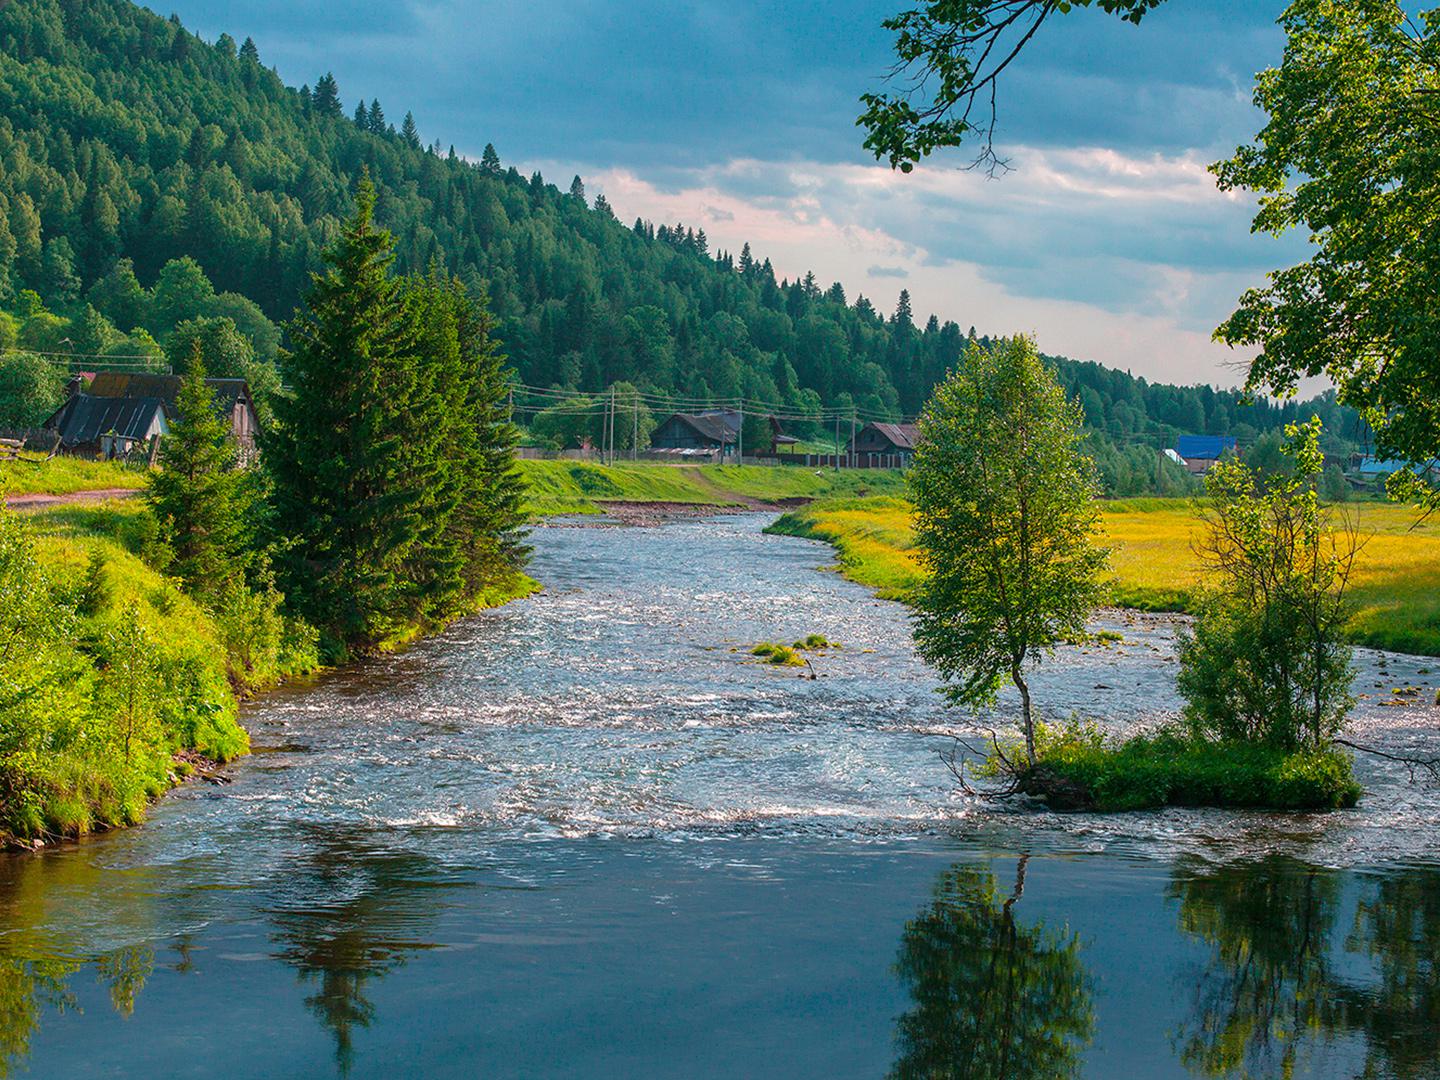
{"x":126,"y":143}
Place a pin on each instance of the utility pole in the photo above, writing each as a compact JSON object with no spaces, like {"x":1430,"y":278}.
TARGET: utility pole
{"x":635,"y":428}
{"x":850,"y":458}
{"x":837,"y":442}
{"x":740,"y":437}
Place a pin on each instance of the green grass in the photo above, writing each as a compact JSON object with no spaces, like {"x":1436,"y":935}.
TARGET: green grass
{"x":572,"y":487}
{"x":1395,"y":589}
{"x":64,"y":476}
{"x":773,"y":653}
{"x":84,"y":781}
{"x":1078,"y":770}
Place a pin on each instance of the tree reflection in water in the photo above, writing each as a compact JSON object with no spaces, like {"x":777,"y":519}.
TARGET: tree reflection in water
{"x":993,"y":997}
{"x":352,"y":914}
{"x":1284,"y":980}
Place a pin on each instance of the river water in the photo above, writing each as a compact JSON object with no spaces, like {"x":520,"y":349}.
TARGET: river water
{"x":586,"y":835}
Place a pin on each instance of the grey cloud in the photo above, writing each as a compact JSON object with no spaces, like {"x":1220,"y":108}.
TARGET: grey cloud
{"x":888,"y":272}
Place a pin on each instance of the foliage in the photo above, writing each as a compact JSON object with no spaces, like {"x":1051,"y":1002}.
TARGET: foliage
{"x":1079,"y":770}
{"x":393,"y":459}
{"x":991,"y":997}
{"x":226,"y":354}
{"x":774,"y":653}
{"x":1004,"y":525}
{"x":104,"y":673}
{"x":1347,"y":155}
{"x":31,"y":388}
{"x":949,"y":56}
{"x":205,"y":505}
{"x":1267,"y":660}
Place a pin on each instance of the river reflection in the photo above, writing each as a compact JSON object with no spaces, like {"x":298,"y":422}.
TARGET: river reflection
{"x":1308,"y":963}
{"x":583,"y":836}
{"x":996,"y":997}
{"x":1301,"y":971}
{"x":352,"y":914}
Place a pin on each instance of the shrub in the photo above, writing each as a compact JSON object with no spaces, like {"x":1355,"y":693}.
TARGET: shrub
{"x":1078,"y":770}
{"x":1267,"y":660}
{"x":261,"y":644}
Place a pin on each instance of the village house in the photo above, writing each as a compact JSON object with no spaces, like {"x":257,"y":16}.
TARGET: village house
{"x":1198,"y":453}
{"x":715,"y":433}
{"x":119,"y":412}
{"x":878,"y":445}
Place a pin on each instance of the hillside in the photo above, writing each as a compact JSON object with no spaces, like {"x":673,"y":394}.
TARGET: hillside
{"x":127,"y":143}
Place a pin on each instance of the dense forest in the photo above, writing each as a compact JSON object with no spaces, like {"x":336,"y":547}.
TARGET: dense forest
{"x":152,"y":182}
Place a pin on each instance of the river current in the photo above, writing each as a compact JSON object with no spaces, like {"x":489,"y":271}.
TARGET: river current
{"x":587,"y":834}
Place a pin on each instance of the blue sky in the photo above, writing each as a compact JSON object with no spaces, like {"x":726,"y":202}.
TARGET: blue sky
{"x":1107,"y":239}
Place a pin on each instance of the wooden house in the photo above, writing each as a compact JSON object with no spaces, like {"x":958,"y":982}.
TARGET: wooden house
{"x":119,"y":411}
{"x":877,"y":444}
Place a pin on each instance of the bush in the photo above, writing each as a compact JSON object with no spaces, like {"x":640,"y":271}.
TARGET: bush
{"x":261,"y":644}
{"x":31,"y":388}
{"x":1078,"y":770}
{"x":1267,"y":661}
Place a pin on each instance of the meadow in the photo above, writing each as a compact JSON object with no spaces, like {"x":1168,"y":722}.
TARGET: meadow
{"x":1395,"y":588}
{"x":577,"y":487}
{"x":34,"y":475}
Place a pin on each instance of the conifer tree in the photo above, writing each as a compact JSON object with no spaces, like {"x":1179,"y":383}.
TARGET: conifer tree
{"x":490,"y":160}
{"x":347,"y":494}
{"x":903,"y":315}
{"x":205,"y":505}
{"x":409,"y":132}
{"x":362,"y":116}
{"x":377,"y":118}
{"x":577,"y":188}
{"x":325,"y":98}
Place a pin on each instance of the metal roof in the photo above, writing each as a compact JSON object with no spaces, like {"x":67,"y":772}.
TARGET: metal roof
{"x":900,"y":436}
{"x":713,"y":427}
{"x":1204,"y":447}
{"x":83,"y":419}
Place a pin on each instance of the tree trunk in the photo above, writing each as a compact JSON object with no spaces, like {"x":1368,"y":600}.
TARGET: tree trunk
{"x":1026,"y":719}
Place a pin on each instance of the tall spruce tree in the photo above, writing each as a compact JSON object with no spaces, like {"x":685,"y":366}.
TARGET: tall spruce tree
{"x":348,"y":493}
{"x":205,"y":505}
{"x":474,"y":543}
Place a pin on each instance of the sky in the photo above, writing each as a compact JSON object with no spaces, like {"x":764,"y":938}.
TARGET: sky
{"x":1107,"y":237}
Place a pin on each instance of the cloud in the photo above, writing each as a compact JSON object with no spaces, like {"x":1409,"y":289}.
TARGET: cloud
{"x":1125,"y":259}
{"x":1108,"y":237}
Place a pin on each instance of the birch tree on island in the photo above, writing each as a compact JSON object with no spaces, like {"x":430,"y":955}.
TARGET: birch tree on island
{"x":1005,"y":522}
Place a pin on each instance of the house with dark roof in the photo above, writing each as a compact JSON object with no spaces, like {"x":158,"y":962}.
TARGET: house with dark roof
{"x":120,"y":411}
{"x":715,"y":433}
{"x":1200,"y":452}
{"x":874,"y":443}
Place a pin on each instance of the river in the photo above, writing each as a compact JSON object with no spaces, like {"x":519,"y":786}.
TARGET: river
{"x":585,"y":835}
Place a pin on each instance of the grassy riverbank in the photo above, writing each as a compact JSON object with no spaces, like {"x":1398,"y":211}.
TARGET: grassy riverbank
{"x":1395,"y":589}
{"x":576,"y":487}
{"x":115,"y":683}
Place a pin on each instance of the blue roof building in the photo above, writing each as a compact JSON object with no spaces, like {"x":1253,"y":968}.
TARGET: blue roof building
{"x":1204,"y":447}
